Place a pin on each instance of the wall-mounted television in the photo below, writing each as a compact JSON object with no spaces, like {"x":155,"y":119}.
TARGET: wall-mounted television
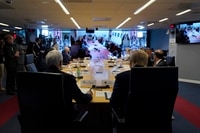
{"x":188,"y":33}
{"x":136,"y":38}
{"x":89,"y":30}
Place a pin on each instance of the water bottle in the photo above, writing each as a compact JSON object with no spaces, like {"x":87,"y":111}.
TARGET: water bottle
{"x":78,"y":72}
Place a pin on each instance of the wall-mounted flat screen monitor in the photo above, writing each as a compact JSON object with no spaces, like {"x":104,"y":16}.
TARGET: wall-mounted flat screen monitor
{"x":134,"y":39}
{"x":188,"y":33}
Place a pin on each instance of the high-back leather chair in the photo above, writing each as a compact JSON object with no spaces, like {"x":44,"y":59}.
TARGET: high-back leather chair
{"x":151,"y":99}
{"x":43,"y":107}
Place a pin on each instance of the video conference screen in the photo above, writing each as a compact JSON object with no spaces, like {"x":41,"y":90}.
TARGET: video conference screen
{"x":188,"y":33}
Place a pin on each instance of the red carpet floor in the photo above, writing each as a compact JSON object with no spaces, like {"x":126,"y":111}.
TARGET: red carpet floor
{"x":188,"y":110}
{"x":8,"y":109}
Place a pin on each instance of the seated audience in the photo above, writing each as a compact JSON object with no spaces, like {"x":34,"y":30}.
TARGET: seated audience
{"x":138,"y":58}
{"x":66,"y":56}
{"x":54,"y":61}
{"x":159,"y":58}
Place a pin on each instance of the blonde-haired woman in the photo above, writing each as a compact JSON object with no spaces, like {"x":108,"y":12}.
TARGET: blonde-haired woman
{"x":138,"y":58}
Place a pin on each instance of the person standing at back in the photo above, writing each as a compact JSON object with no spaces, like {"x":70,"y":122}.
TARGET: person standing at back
{"x":37,"y":47}
{"x":2,"y":68}
{"x":159,"y":58}
{"x":21,"y":59}
{"x":11,"y":57}
{"x":38,"y":53}
{"x":138,"y":58}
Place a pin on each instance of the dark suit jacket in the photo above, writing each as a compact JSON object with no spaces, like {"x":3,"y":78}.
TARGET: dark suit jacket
{"x":120,"y":92}
{"x":66,"y":58}
{"x":9,"y":51}
{"x":71,"y":89}
{"x":70,"y":86}
{"x":162,"y":63}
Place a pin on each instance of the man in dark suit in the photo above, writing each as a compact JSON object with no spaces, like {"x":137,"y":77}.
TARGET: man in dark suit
{"x":54,"y":61}
{"x":11,"y":55}
{"x":66,"y":56}
{"x":159,"y":58}
{"x":138,"y":58}
{"x":38,"y":53}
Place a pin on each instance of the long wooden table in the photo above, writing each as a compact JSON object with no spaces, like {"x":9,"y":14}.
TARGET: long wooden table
{"x":99,"y":116}
{"x":98,"y":93}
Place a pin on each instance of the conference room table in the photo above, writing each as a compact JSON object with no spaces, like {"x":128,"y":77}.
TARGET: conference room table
{"x":100,"y":76}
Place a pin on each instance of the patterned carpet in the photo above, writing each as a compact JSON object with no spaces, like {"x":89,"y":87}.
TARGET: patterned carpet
{"x":186,"y":111}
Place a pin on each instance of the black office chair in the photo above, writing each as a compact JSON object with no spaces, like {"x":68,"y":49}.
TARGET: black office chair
{"x":43,"y":107}
{"x":150,"y":103}
{"x":30,"y":63}
{"x":170,"y":60}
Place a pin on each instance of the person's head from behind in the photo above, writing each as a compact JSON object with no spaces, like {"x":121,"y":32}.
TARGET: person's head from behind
{"x":159,"y":54}
{"x":54,"y":58}
{"x":138,"y":58}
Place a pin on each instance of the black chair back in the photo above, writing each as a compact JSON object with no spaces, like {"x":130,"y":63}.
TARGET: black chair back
{"x":150,"y":104}
{"x":170,"y":60}
{"x":42,"y":105}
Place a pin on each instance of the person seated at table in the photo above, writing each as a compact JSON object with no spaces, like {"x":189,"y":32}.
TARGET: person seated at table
{"x":159,"y":58}
{"x":54,"y":61}
{"x":138,"y":58}
{"x":66,"y":56}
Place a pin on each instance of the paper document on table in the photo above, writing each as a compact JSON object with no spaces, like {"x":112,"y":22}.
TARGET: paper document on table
{"x":106,"y":94}
{"x":88,"y":82}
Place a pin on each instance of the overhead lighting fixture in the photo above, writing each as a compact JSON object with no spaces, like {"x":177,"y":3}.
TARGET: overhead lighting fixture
{"x":3,"y":24}
{"x":164,"y":19}
{"x":19,"y":28}
{"x":140,"y":27}
{"x":62,"y":6}
{"x":183,"y":12}
{"x":5,"y":30}
{"x":123,"y":23}
{"x":44,"y":26}
{"x":150,"y":24}
{"x":144,"y":7}
{"x":75,"y":23}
